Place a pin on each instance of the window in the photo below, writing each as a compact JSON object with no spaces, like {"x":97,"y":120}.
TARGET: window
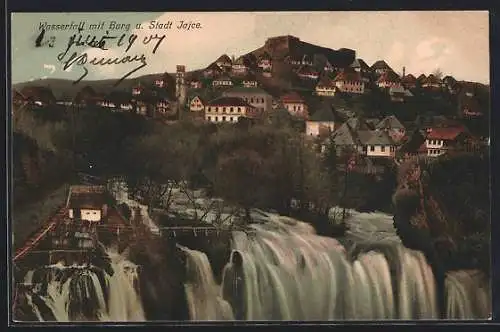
{"x":216,"y":118}
{"x":223,"y":118}
{"x":209,"y":118}
{"x":372,"y":148}
{"x":239,"y":109}
{"x":231,"y":110}
{"x":382,"y":148}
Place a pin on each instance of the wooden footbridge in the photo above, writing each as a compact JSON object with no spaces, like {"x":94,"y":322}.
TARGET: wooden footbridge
{"x":62,"y":233}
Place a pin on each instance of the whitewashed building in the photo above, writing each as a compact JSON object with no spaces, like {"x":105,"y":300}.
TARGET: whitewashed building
{"x":228,"y":110}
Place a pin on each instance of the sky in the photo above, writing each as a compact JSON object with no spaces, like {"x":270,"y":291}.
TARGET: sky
{"x":456,"y":42}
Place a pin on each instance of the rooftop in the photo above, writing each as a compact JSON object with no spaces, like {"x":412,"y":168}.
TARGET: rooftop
{"x":379,"y":138}
{"x":292,"y":97}
{"x":224,"y":58}
{"x":449,"y":133}
{"x":348,"y":76}
{"x":389,"y":76}
{"x":229,"y":101}
{"x":245,"y":90}
{"x":325,"y":113}
{"x":390,"y":122}
{"x":86,"y":197}
{"x":381,"y":64}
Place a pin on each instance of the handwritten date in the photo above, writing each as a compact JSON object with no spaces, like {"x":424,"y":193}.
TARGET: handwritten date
{"x":69,"y":57}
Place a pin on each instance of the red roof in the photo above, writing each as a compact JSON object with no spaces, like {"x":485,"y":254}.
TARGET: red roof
{"x":389,"y":76}
{"x":305,"y":71}
{"x":449,"y":133}
{"x":348,"y":76}
{"x":292,"y":97}
{"x":325,"y":82}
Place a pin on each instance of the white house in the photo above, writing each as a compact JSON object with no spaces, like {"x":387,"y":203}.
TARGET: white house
{"x":223,"y":81}
{"x":224,"y":62}
{"x":440,"y":140}
{"x":249,"y":81}
{"x":322,"y":121}
{"x":256,"y":97}
{"x":380,"y":67}
{"x":432,"y":82}
{"x":307,"y":73}
{"x":196,"y":84}
{"x":326,"y":88}
{"x":295,"y":104}
{"x":380,"y":144}
{"x":87,"y":203}
{"x":241,"y":65}
{"x":229,"y":110}
{"x":106,"y":103}
{"x":265,"y":62}
{"x":126,"y":106}
{"x":196,"y":104}
{"x":350,"y":82}
{"x":389,"y":79}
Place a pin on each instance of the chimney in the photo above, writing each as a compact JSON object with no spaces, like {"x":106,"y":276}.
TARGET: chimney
{"x":404,"y":70}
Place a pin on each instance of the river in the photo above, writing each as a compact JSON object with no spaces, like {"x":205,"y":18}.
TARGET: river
{"x":281,"y":271}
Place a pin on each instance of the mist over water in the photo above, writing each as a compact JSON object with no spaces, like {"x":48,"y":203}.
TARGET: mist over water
{"x":281,"y":270}
{"x":85,"y":293}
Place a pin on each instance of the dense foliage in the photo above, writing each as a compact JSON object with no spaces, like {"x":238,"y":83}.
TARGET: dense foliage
{"x":448,"y":201}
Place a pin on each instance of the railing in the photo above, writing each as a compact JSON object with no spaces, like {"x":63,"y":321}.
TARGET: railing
{"x":33,"y":241}
{"x":174,"y":230}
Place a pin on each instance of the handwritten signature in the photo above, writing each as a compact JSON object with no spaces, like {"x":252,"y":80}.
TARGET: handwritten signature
{"x":70,"y":55}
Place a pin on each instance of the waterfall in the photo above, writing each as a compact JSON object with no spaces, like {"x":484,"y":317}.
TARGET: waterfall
{"x":85,"y":293}
{"x":287,"y":272}
{"x":281,"y":270}
{"x":120,"y":191}
{"x":203,"y":294}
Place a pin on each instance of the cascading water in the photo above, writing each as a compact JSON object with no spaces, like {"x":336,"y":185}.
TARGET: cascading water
{"x":281,"y":270}
{"x":85,"y":293}
{"x":286,"y":272}
{"x":202,"y":292}
{"x":120,"y":191}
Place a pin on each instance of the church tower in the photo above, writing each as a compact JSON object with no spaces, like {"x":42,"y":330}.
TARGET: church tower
{"x":180,"y":84}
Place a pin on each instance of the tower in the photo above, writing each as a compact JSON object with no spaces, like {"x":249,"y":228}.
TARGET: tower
{"x":180,"y":84}
{"x":180,"y":89}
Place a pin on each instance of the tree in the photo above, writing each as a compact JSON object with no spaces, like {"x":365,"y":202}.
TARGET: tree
{"x":240,"y":179}
{"x":161,"y":161}
{"x":438,"y":73}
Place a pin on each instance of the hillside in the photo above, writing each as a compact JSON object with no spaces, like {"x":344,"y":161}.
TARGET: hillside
{"x":281,"y":47}
{"x":278,"y":47}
